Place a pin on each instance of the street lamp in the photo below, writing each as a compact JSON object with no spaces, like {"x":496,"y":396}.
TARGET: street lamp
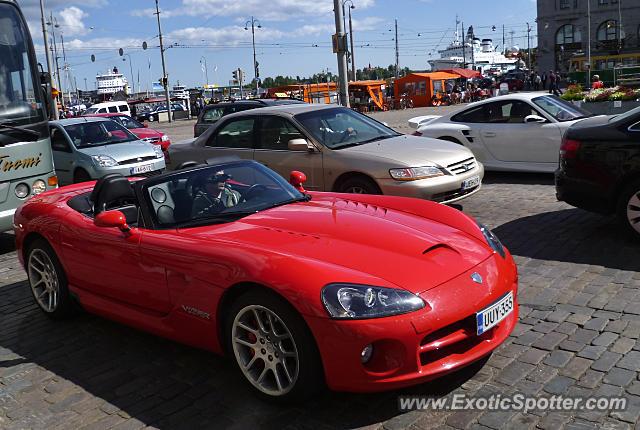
{"x":349,"y":54}
{"x":133,"y":84}
{"x":206,"y":70}
{"x":254,"y":22}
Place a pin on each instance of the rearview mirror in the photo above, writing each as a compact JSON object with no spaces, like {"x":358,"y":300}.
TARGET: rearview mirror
{"x":112,"y":219}
{"x":534,"y":118}
{"x":299,"y":145}
{"x":297,"y":178}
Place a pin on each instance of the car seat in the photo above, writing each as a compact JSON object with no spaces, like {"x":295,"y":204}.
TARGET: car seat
{"x":116,"y":193}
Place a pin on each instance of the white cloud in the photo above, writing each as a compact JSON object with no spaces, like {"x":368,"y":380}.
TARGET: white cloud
{"x":277,"y":10}
{"x":367,"y":24}
{"x":71,"y":21}
{"x":231,"y":35}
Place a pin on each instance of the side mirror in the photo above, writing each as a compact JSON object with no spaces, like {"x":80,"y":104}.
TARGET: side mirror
{"x":112,"y":219}
{"x":145,"y":124}
{"x":299,"y":145}
{"x":297,"y":178}
{"x":534,"y":118}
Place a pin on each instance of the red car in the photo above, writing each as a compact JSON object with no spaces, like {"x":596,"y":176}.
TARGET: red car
{"x":363,"y":292}
{"x":140,"y":130}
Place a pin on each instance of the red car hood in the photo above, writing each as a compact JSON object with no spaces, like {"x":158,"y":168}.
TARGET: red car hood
{"x":144,"y":133}
{"x":409,"y":251}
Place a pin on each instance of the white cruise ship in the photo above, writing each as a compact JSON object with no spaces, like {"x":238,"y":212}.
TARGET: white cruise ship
{"x":478,"y":54}
{"x":112,"y":82}
{"x":180,"y":91}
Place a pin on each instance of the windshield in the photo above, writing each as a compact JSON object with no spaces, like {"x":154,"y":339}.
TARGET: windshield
{"x":128,"y":122}
{"x":90,"y":111}
{"x":625,"y":116}
{"x":340,"y":127}
{"x":560,"y":109}
{"x":20,"y":97}
{"x":95,"y":133}
{"x":217,"y":194}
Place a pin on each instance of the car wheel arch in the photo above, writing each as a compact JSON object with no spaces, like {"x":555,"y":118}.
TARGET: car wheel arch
{"x":621,"y":186}
{"x":450,"y":139}
{"x":80,"y":170}
{"x":351,"y":175}
{"x":233,"y":293}
{"x":29,"y":239}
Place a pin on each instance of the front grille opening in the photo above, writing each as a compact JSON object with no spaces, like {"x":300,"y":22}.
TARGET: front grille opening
{"x":467,"y":324}
{"x":137,"y":160}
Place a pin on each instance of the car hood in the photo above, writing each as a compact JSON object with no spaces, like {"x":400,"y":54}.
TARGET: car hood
{"x":122,"y":151}
{"x":145,"y":133}
{"x":414,"y":151}
{"x":411,"y":252}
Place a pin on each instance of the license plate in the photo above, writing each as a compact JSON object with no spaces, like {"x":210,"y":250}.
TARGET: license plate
{"x":495,"y":313}
{"x":472,"y":182}
{"x":142,"y":169}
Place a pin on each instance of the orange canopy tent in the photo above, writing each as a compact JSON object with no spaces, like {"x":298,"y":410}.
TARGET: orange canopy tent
{"x":371,"y":88}
{"x":464,"y":73}
{"x":310,"y":93}
{"x":421,"y":87}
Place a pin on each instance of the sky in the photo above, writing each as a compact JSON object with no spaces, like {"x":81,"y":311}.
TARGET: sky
{"x":294,"y":37}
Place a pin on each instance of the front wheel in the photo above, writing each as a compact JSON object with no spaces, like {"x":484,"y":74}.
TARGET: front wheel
{"x":48,"y":281}
{"x":273,"y":348}
{"x":629,"y":208}
{"x":359,"y":185}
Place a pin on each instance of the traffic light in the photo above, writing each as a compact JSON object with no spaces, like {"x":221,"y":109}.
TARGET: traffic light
{"x":257,"y":70}
{"x":163,"y":81}
{"x":240,"y":75}
{"x":235,"y":75}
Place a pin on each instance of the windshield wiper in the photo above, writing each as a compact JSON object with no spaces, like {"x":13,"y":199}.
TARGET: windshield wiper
{"x":6,"y":126}
{"x":373,"y":139}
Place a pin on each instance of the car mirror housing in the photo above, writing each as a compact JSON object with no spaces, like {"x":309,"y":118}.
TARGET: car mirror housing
{"x":145,"y":124}
{"x":112,"y":219}
{"x":534,"y":118}
{"x":297,"y":178}
{"x":299,"y":145}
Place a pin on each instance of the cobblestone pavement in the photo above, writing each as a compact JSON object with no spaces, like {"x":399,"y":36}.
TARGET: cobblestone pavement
{"x":578,"y":335}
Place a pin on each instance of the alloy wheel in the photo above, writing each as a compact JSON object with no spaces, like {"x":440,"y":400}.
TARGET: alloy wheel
{"x":43,"y":279}
{"x":265,"y":350}
{"x":633,"y":211}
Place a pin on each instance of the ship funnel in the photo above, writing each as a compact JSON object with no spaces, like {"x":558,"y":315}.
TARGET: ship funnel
{"x":487,"y":45}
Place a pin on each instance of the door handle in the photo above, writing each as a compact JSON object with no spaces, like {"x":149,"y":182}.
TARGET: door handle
{"x":489,"y":134}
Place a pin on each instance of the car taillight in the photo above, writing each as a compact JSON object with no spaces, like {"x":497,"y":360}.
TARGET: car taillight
{"x":569,"y":148}
{"x":417,"y":133}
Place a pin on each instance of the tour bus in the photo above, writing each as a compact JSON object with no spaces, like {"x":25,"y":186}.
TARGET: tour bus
{"x":26,"y":161}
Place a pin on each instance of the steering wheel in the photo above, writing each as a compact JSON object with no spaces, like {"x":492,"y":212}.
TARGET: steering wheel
{"x":347,"y":134}
{"x":253,"y":189}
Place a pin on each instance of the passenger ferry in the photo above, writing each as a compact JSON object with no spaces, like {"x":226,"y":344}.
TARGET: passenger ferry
{"x":111,"y":83}
{"x":180,"y":91}
{"x":478,"y":54}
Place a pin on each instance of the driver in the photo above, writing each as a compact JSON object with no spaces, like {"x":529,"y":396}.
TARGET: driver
{"x":215,"y":195}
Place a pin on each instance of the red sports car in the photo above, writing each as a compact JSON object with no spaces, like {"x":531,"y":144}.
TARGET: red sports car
{"x":142,"y":131}
{"x":363,"y":292}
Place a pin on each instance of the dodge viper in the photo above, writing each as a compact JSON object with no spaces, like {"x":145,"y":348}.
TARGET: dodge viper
{"x":360,"y":293}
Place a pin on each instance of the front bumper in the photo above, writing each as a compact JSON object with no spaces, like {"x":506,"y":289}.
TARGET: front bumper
{"x":158,"y":166}
{"x":442,"y":189}
{"x":420,"y":346}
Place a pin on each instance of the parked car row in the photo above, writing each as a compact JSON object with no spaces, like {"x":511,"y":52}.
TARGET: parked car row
{"x":596,"y":159}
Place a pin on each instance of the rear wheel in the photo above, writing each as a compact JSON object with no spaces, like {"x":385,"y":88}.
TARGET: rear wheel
{"x":48,"y":281}
{"x":272,"y":347}
{"x":629,"y":208}
{"x":359,"y":185}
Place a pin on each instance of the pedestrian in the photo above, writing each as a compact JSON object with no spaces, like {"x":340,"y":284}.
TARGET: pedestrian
{"x":558,"y":83}
{"x":553,"y":84}
{"x":537,"y":81}
{"x":597,"y":83}
{"x":543,"y":78}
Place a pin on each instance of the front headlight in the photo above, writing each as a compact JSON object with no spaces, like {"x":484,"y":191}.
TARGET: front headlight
{"x":158,"y":151}
{"x":354,"y":301}
{"x":415,"y":173}
{"x":492,"y":240}
{"x":104,"y":161}
{"x":38,"y":186}
{"x":164,"y":138}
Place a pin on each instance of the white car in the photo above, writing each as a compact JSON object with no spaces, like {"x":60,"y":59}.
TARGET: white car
{"x":517,"y":132}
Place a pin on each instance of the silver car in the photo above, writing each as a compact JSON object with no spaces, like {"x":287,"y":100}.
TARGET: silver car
{"x":88,"y":148}
{"x":339,"y":150}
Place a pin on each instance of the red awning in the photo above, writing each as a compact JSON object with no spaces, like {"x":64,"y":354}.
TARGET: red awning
{"x":464,"y":73}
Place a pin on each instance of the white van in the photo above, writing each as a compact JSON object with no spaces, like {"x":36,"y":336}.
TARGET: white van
{"x":109,"y":107}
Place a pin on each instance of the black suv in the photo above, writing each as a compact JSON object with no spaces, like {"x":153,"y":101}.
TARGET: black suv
{"x":212,"y":113}
{"x":600,"y":167}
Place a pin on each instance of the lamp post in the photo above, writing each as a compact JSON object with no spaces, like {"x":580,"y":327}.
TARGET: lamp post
{"x":344,"y":25}
{"x":206,"y":70}
{"x":254,"y":22}
{"x":133,"y":90}
{"x":164,"y":69}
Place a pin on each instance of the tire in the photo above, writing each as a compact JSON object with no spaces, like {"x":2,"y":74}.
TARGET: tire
{"x":253,"y":348}
{"x":450,"y":139}
{"x":48,"y":282}
{"x":152,"y":118}
{"x":359,"y":185}
{"x":629,"y":208}
{"x":81,"y":175}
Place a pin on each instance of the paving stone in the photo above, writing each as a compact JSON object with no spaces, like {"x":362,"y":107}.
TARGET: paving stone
{"x":576,"y":367}
{"x":592,"y":352}
{"x":543,"y":373}
{"x":606,"y":361}
{"x":558,"y":385}
{"x":605,"y":339}
{"x":569,"y":345}
{"x":591,"y":379}
{"x":545,"y":327}
{"x":617,"y":326}
{"x":533,"y":356}
{"x":619,"y":377}
{"x":558,"y":316}
{"x":554,"y":420}
{"x":550,"y":341}
{"x":597,"y":324}
{"x":558,"y":358}
{"x":579,"y":319}
{"x":528,"y":338}
{"x":630,"y":361}
{"x":631,"y":413}
{"x":623,"y":345}
{"x":514,"y":372}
